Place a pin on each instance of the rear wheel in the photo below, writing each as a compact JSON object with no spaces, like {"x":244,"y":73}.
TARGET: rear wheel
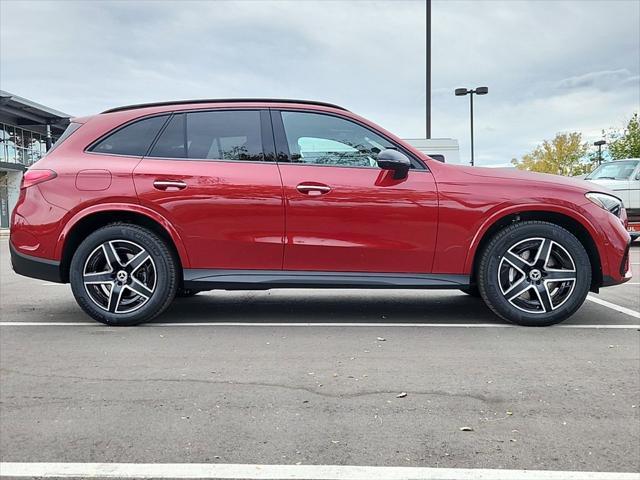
{"x":123,"y":274}
{"x":534,"y":274}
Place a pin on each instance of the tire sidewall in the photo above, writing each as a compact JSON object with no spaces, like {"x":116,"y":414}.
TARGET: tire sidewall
{"x":165,"y":274}
{"x":488,"y":276}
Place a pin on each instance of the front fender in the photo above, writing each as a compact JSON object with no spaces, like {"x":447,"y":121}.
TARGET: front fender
{"x":501,"y":211}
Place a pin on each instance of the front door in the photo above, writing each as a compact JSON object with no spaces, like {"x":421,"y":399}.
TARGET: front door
{"x":212,"y":177}
{"x":343,"y":213}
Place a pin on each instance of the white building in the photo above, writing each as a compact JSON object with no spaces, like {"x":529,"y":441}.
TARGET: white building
{"x":443,"y":149}
{"x":27,"y":130}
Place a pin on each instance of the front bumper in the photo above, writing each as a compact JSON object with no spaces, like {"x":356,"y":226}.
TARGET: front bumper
{"x":35,"y":267}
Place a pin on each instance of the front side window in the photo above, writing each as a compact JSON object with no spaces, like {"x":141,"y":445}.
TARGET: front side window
{"x":133,"y":139}
{"x":318,"y":139}
{"x":223,"y":135}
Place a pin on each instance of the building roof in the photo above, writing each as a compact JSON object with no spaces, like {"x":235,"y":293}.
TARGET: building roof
{"x":30,"y":112}
{"x":222,"y":100}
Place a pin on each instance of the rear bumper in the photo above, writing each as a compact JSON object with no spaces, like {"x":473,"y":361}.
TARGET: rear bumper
{"x":35,"y":267}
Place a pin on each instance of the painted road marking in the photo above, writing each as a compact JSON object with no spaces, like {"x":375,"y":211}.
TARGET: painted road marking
{"x":319,"y":324}
{"x":613,"y":306}
{"x":291,"y":472}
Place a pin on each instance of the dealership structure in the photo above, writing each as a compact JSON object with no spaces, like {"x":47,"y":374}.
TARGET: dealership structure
{"x":27,"y":131}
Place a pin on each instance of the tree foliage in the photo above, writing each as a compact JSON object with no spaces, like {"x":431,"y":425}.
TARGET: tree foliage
{"x":625,"y":144}
{"x":564,"y":155}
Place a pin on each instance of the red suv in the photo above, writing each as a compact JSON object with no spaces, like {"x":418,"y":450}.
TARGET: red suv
{"x":142,"y":203}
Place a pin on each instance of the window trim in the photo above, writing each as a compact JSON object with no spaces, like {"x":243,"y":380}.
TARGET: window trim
{"x":266,"y":134}
{"x":116,"y":129}
{"x":282,"y":145}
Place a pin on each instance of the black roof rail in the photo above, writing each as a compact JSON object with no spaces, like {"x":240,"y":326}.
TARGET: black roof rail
{"x":223,"y":100}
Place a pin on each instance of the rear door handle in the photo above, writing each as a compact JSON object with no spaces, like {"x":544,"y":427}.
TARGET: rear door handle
{"x":167,"y":184}
{"x":313,"y":189}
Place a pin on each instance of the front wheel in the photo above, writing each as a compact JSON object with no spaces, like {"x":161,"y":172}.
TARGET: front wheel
{"x":123,"y":274}
{"x":534,"y":274}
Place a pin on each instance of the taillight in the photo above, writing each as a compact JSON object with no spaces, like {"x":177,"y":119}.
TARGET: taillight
{"x":35,"y":176}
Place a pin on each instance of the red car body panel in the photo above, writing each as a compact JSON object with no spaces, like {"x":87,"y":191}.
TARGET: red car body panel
{"x":228,"y":216}
{"x":251,"y":215}
{"x":367,"y":221}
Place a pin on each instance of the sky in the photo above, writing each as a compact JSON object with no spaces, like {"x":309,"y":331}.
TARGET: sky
{"x":551,"y":66}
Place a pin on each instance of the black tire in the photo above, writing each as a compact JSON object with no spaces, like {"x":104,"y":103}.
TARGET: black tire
{"x":525,"y":244}
{"x":471,"y":290}
{"x":186,"y":292}
{"x":142,"y":292}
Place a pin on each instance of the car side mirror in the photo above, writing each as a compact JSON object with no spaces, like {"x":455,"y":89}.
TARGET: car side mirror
{"x":394,"y":160}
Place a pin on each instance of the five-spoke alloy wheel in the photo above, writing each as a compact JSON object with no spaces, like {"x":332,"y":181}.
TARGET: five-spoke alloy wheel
{"x":534,"y":273}
{"x":119,"y":276}
{"x":123,"y":275}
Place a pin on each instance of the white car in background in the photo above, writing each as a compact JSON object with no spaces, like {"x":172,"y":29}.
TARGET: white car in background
{"x":623,"y":178}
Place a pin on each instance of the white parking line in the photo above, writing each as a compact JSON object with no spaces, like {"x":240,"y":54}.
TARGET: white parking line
{"x":613,"y":306}
{"x":309,"y":324}
{"x":291,"y":472}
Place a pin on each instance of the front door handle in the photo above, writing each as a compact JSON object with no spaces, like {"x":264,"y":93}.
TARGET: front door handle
{"x":167,"y":184}
{"x":313,"y":189}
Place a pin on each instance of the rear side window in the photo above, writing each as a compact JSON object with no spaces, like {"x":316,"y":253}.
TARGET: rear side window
{"x":224,"y":135}
{"x":133,"y":139}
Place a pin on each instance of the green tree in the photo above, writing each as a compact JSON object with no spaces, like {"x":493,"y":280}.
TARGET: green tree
{"x":564,"y":155}
{"x":626,"y":143}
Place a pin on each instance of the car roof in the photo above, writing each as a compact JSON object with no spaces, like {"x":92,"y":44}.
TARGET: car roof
{"x":222,"y":100}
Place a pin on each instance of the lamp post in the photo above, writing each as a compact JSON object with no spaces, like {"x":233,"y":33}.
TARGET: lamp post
{"x":599,"y":144}
{"x":428,"y":69}
{"x":461,"y":92}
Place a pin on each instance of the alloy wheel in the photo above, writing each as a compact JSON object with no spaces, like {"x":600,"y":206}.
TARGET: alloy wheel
{"x":537,"y":275}
{"x":119,"y":276}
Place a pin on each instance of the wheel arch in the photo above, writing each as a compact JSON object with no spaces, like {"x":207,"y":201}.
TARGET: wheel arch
{"x":572,"y":222}
{"x":86,"y":222}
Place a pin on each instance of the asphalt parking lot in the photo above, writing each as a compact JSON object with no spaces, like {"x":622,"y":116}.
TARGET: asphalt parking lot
{"x":313,"y":378}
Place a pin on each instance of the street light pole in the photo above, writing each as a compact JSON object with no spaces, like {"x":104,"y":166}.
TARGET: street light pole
{"x":460,"y":92}
{"x":428,"y":72}
{"x":599,"y":144}
{"x":471,"y":110}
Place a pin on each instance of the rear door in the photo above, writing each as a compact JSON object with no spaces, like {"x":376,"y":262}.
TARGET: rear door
{"x":345,"y":214}
{"x":212,"y":174}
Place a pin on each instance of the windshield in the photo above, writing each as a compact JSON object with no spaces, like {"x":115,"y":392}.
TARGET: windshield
{"x":620,"y":170}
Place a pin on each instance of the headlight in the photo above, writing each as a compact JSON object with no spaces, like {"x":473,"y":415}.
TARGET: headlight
{"x":608,"y":202}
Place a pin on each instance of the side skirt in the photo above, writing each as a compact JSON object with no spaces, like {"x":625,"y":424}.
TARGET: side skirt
{"x":203,"y":279}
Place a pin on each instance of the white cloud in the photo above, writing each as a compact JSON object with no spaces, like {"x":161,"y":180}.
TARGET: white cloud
{"x":550,"y":66}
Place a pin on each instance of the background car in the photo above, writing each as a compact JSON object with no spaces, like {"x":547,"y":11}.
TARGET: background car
{"x":623,"y":178}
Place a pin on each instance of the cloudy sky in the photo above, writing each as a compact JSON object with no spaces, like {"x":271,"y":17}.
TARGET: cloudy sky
{"x":550,"y":66}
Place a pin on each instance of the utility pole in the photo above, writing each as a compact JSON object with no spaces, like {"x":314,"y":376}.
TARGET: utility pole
{"x":428,"y":72}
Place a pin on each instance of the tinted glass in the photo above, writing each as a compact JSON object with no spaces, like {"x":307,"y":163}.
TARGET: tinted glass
{"x":134,"y":139}
{"x":171,"y":143}
{"x":227,"y":135}
{"x":326,"y":140}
